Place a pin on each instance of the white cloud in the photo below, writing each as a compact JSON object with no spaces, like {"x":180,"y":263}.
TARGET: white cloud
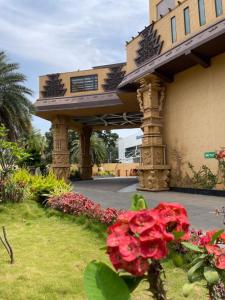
{"x":65,"y":35}
{"x":70,"y":34}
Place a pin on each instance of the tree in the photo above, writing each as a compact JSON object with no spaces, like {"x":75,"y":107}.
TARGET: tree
{"x":15,"y":108}
{"x":34,"y":144}
{"x":110,"y":140}
{"x":98,"y":150}
{"x":10,"y":154}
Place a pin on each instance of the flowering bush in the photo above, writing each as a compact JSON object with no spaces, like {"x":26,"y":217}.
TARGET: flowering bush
{"x":78,"y":204}
{"x":138,"y":242}
{"x":220,"y":154}
{"x":209,"y":260}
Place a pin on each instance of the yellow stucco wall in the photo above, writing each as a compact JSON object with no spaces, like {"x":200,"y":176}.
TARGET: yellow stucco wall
{"x":163,"y":26}
{"x":195,"y":116}
{"x":101,"y":72}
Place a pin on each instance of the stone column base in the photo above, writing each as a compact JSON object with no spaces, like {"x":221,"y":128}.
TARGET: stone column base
{"x":61,"y":172}
{"x":86,"y":173}
{"x":154,"y":178}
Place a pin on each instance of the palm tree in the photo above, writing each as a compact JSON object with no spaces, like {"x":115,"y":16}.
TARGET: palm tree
{"x":15,"y":108}
{"x":97,"y":147}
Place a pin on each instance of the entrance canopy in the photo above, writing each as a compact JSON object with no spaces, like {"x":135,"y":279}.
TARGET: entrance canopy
{"x":88,"y":98}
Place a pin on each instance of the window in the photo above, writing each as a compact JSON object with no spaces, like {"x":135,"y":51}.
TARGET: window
{"x":163,"y":7}
{"x":219,"y":7}
{"x":132,"y":152}
{"x":201,"y":9}
{"x":84,"y":83}
{"x":173,"y":30}
{"x":187,"y":25}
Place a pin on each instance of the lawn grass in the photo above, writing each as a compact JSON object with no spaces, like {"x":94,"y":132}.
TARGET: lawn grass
{"x":51,"y":252}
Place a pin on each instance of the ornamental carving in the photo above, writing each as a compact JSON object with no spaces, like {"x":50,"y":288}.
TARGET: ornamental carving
{"x":146,"y":157}
{"x":149,"y":46}
{"x":158,"y":157}
{"x":61,"y":159}
{"x":141,"y":179}
{"x":162,"y":98}
{"x":158,"y":179}
{"x":154,"y":172}
{"x":140,"y":100}
{"x":54,"y":87}
{"x":114,"y":78}
{"x":61,"y":173}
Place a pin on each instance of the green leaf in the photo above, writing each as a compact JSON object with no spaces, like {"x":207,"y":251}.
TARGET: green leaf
{"x":178,"y":234}
{"x":138,"y":203}
{"x":211,"y":275}
{"x":178,"y":260}
{"x":192,"y":276}
{"x":192,"y":247}
{"x":222,"y":275}
{"x":103,"y":248}
{"x":216,"y":236}
{"x":198,"y":258}
{"x":102,"y":283}
{"x":131,"y":281}
{"x":188,"y":289}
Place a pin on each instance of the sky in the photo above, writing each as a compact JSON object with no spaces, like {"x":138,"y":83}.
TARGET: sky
{"x":50,"y":36}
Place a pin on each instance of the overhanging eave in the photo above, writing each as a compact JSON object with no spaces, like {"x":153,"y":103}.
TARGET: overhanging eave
{"x":198,"y":49}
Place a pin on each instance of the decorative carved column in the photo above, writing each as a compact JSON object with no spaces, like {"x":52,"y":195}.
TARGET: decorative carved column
{"x":61,"y":157}
{"x":85,"y":154}
{"x":154,"y":172}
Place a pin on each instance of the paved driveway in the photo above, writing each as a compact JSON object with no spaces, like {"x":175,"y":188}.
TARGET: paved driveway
{"x":117,"y":193}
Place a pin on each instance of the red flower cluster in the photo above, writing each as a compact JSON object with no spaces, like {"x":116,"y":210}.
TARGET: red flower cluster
{"x":220,"y":154}
{"x":205,"y":241}
{"x":78,"y":204}
{"x":138,"y":237}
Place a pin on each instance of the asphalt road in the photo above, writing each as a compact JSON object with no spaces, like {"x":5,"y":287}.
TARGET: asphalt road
{"x":117,"y":192}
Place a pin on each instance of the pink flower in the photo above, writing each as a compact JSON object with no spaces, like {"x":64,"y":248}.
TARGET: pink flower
{"x":129,"y":248}
{"x":214,"y":249}
{"x":155,"y":249}
{"x":220,"y":262}
{"x":142,"y":220}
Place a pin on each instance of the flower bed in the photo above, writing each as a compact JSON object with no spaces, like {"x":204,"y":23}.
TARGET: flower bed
{"x":77,"y":204}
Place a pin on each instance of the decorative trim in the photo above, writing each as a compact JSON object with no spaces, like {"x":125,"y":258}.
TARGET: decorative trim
{"x":133,"y":119}
{"x":204,"y":37}
{"x":150,"y":45}
{"x":114,"y":78}
{"x":54,"y":87}
{"x":78,"y":102}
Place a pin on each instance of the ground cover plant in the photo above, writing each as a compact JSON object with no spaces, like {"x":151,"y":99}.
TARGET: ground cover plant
{"x":77,"y":204}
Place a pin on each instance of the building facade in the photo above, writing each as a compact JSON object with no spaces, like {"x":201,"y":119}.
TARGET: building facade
{"x":171,"y":86}
{"x":129,"y":149}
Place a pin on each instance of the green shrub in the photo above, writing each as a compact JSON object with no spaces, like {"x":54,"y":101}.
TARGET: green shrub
{"x":105,"y":173}
{"x":203,"y":178}
{"x":43,"y":187}
{"x":74,"y":172}
{"x":11,"y":154}
{"x":22,"y":176}
{"x":11,"y":191}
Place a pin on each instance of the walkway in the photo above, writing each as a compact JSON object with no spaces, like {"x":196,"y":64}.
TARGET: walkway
{"x":117,"y":192}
